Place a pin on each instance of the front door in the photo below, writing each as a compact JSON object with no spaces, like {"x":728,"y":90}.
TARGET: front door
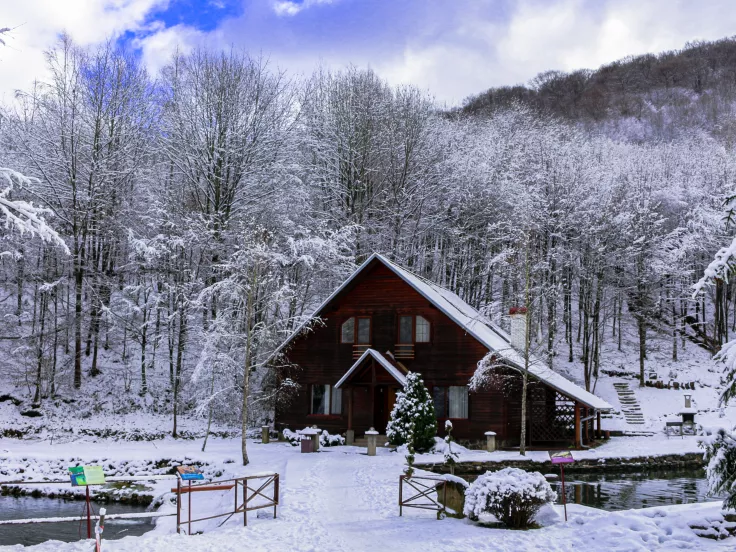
{"x":380,"y":408}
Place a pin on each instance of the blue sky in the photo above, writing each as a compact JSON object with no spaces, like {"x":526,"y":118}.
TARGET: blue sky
{"x":452,"y":48}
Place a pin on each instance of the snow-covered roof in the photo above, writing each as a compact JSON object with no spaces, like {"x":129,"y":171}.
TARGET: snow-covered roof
{"x":490,"y":335}
{"x":390,"y":368}
{"x":486,"y":332}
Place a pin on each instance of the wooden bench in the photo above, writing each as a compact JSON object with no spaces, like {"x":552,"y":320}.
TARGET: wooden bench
{"x":668,"y":425}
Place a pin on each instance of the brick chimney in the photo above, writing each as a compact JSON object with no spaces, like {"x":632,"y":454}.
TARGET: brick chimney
{"x":518,"y":328}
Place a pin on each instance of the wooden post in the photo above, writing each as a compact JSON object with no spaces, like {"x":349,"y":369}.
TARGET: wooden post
{"x":275,"y":494}
{"x":350,"y":408}
{"x":598,"y":421}
{"x":578,"y":432}
{"x":189,"y":531}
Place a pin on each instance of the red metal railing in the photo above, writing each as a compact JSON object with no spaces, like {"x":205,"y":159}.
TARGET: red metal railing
{"x":250,"y":493}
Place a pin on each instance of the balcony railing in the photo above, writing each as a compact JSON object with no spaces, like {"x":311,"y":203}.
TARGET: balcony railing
{"x":359,"y":349}
{"x":404,"y":350}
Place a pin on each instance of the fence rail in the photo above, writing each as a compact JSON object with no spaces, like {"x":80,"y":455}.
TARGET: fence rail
{"x":252,"y":488}
{"x":421,"y":490}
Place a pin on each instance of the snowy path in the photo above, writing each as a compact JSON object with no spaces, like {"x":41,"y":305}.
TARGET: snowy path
{"x":341,"y":499}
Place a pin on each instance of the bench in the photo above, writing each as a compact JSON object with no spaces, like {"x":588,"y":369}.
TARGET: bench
{"x":668,"y":425}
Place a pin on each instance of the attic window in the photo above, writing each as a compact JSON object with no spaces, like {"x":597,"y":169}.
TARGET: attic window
{"x":347,"y":335}
{"x":413,"y":329}
{"x":422,"y":330}
{"x":352,"y":332}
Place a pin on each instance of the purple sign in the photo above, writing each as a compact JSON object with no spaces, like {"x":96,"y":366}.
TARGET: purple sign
{"x":564,"y":457}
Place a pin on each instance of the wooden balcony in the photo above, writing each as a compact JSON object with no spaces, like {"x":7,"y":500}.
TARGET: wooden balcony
{"x":404,"y":351}
{"x":359,"y":349}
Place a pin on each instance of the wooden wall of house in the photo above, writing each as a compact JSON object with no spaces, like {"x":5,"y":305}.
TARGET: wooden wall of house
{"x":449,"y":359}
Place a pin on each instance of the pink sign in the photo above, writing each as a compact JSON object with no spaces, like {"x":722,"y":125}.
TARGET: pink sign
{"x":564,"y":457}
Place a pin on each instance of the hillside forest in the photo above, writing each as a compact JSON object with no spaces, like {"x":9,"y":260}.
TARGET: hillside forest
{"x":208,"y":209}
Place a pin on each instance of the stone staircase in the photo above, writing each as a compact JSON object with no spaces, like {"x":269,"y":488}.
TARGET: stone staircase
{"x":629,"y":404}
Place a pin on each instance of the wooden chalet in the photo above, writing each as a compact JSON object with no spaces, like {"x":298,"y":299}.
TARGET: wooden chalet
{"x":385,"y":321}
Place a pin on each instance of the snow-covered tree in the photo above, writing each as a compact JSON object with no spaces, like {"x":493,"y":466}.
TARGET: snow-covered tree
{"x":413,"y":418}
{"x":22,"y":216}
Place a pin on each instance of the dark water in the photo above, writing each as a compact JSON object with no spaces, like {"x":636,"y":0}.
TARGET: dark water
{"x":25,"y":507}
{"x":635,"y":490}
{"x":624,"y":491}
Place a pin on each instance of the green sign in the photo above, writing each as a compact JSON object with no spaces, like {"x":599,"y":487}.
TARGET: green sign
{"x":86,"y":475}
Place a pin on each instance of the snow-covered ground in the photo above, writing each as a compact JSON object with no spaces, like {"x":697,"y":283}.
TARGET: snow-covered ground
{"x":694,"y":364}
{"x":342,"y":499}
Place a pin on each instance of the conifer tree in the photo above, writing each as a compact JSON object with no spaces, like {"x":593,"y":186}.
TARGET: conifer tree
{"x":413,"y":414}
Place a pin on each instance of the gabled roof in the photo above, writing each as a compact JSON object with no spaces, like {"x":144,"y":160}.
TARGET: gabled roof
{"x":382,"y":360}
{"x":474,"y":323}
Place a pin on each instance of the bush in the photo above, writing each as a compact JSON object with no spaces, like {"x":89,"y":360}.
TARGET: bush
{"x":512,"y":495}
{"x":413,"y":415}
{"x":293,"y":437}
{"x":327,"y":440}
{"x":720,"y":454}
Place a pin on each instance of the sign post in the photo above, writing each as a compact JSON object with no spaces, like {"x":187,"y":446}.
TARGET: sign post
{"x":562,"y":458}
{"x":188,"y":474}
{"x":84,"y":476}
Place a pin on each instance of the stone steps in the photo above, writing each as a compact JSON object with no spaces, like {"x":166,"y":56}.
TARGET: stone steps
{"x":630,"y":407}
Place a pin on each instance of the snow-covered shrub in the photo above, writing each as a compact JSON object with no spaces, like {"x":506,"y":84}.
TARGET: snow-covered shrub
{"x":720,"y":453}
{"x":327,"y":440}
{"x":293,"y":437}
{"x":450,"y":455}
{"x":512,"y":495}
{"x":412,"y":417}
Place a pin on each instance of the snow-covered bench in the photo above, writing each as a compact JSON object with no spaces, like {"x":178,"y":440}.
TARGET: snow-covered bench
{"x":668,"y":425}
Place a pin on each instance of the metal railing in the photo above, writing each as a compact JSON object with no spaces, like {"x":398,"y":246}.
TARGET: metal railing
{"x":422,"y":490}
{"x":249,"y":497}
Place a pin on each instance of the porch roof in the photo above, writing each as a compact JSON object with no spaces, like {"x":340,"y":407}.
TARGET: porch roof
{"x":382,"y":360}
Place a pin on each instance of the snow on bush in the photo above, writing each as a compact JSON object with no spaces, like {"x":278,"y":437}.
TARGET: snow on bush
{"x":293,"y":437}
{"x":413,"y":416}
{"x":327,"y":440}
{"x":512,"y":495}
{"x":720,"y":453}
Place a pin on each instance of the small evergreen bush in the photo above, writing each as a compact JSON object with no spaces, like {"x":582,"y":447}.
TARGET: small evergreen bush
{"x":412,"y":417}
{"x":720,"y":454}
{"x":512,"y":495}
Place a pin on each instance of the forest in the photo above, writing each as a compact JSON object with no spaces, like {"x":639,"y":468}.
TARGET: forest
{"x":205,"y":211}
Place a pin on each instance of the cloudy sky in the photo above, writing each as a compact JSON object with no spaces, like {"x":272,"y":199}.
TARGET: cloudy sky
{"x":453,"y":48}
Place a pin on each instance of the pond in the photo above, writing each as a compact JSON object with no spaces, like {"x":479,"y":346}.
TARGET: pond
{"x":624,"y":491}
{"x":25,"y":507}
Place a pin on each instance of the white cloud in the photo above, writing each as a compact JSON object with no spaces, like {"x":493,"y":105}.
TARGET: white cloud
{"x":290,"y":8}
{"x":474,"y":53}
{"x":37,"y":23}
{"x":452,"y":49}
